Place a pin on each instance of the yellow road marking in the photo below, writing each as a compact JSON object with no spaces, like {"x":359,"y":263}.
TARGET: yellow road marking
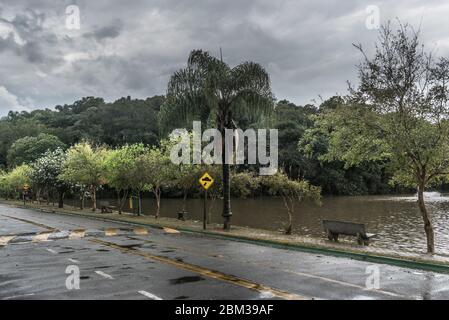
{"x":5,"y":239}
{"x":140,"y":231}
{"x":170,"y":230}
{"x":206,"y":272}
{"x":77,"y":234}
{"x":110,"y":232}
{"x":41,"y":237}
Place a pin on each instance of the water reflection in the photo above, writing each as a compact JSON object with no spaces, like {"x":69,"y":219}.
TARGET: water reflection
{"x":396,"y":219}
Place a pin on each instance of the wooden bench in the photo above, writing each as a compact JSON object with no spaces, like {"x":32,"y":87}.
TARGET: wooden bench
{"x":334,"y":228}
{"x":106,"y":207}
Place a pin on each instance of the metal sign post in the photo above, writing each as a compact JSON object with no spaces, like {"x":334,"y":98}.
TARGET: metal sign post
{"x":206,"y":182}
{"x":205,"y":210}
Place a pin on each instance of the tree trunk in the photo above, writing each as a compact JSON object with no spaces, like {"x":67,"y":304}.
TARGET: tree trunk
{"x":428,"y":228}
{"x":157,"y":194}
{"x":122,"y":200}
{"x":226,"y":198}
{"x":82,"y":200}
{"x":119,"y":202}
{"x":289,"y":205}
{"x":139,"y":210}
{"x":61,"y":199}
{"x":184,"y":200}
{"x":38,"y":195}
{"x":94,"y":199}
{"x":225,"y":121}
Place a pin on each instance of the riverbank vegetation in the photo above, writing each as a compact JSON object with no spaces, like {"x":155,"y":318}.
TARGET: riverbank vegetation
{"x":84,"y":169}
{"x":397,"y":115}
{"x":389,"y":134}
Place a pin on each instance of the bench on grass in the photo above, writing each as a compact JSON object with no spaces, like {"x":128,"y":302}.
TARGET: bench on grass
{"x":106,"y":207}
{"x":334,"y":228}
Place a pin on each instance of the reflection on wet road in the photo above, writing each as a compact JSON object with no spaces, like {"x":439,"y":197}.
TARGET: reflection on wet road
{"x":125,"y":264}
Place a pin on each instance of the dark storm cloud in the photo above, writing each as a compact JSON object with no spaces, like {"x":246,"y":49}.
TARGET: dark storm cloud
{"x":110,"y":31}
{"x":131,"y":48}
{"x":28,"y":38}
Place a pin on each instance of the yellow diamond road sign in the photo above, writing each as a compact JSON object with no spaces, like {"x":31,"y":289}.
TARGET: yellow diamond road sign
{"x":206,"y":181}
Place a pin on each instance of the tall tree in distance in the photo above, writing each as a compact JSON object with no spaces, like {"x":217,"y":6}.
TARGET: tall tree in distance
{"x":208,"y":88}
{"x":28,"y":149}
{"x":398,"y":112}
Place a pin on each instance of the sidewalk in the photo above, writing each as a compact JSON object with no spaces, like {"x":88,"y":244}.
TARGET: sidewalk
{"x":348,"y":249}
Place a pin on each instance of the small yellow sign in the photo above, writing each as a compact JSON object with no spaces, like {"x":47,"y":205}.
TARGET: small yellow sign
{"x":206,"y":181}
{"x":26,"y":187}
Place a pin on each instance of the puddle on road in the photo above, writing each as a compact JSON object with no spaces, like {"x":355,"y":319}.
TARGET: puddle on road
{"x":131,"y":246}
{"x":103,"y":250}
{"x":84,"y":277}
{"x":181,"y":298}
{"x":186,"y":279}
{"x":167,"y":251}
{"x":103,"y":267}
{"x":125,"y":268}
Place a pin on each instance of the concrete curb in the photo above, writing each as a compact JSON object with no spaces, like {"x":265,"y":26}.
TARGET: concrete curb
{"x":303,"y":247}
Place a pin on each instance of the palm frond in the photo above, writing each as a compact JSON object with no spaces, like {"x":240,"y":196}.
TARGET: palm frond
{"x":252,"y":92}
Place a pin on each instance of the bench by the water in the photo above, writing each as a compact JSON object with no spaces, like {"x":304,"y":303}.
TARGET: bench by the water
{"x":334,"y":228}
{"x":106,"y":207}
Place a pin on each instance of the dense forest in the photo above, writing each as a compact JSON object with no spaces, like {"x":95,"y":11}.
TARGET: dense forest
{"x":27,"y":135}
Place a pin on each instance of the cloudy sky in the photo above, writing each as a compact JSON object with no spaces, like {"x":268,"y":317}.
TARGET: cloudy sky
{"x":131,"y":47}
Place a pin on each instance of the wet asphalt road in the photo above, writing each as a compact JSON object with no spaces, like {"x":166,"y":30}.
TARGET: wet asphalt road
{"x":162,"y":265}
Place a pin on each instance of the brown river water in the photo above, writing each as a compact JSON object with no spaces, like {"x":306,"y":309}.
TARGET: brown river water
{"x":395,"y":219}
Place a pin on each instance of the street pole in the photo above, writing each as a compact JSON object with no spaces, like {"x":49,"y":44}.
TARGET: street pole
{"x":205,"y":210}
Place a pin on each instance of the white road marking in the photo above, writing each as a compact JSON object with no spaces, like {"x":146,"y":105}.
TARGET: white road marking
{"x":266,"y":295}
{"x":52,"y":251}
{"x":41,"y":237}
{"x":170,"y":230}
{"x":77,"y":234}
{"x":5,"y":239}
{"x":140,"y":231}
{"x":110,"y":232}
{"x":105,"y":275}
{"x":149,"y":295}
{"x":73,"y":260}
{"x":19,"y":296}
{"x":344,"y":283}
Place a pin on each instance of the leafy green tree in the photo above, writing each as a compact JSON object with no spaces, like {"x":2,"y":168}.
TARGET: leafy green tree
{"x":46,"y":173}
{"x":331,"y":174}
{"x":5,"y":187}
{"x":12,"y":182}
{"x":186,"y":178}
{"x":292,"y":121}
{"x":15,"y":126}
{"x":85,"y":165}
{"x":157,"y":171}
{"x":129,"y":121}
{"x":244,"y":184}
{"x":212,"y":90}
{"x":29,"y":149}
{"x":398,"y":112}
{"x":122,"y":171}
{"x":292,"y":192}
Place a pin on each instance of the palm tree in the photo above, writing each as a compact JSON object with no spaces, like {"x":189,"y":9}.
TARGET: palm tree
{"x":209,"y":89}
